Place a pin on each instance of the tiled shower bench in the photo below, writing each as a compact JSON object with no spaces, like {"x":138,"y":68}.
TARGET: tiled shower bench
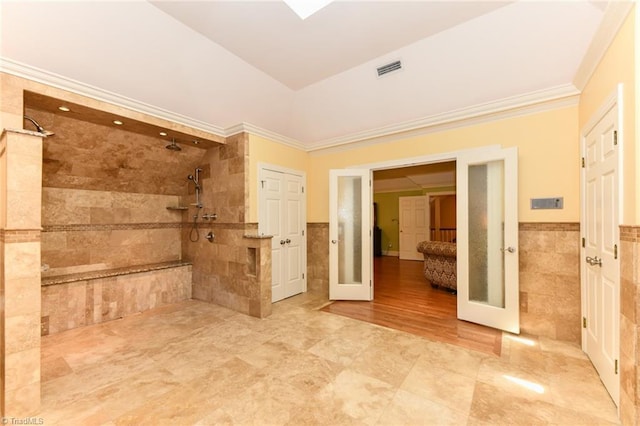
{"x":85,"y":298}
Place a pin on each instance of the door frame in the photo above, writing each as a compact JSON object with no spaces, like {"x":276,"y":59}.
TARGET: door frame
{"x":421,"y":160}
{"x":262,"y":167}
{"x":615,"y":99}
{"x":435,"y":194}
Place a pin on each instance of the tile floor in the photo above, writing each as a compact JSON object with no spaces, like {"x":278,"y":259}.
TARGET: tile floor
{"x":198,"y":363}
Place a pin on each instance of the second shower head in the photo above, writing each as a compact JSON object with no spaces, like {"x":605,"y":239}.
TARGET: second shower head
{"x":173,"y":146}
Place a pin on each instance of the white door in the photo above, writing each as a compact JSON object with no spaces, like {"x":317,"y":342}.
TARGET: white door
{"x":487,"y":241}
{"x":350,"y":235}
{"x":414,"y":225}
{"x":282,"y":216}
{"x":600,"y":264}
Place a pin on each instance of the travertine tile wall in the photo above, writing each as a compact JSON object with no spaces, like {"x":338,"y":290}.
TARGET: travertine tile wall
{"x":20,"y":304}
{"x":550,"y":280}
{"x":318,"y":258}
{"x":549,"y":276}
{"x":86,"y":156}
{"x":629,"y":329}
{"x":93,"y":230}
{"x":76,"y":304}
{"x":233,"y":271}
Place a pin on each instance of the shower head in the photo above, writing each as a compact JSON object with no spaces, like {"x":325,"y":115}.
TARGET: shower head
{"x":173,"y":146}
{"x":39,"y":128}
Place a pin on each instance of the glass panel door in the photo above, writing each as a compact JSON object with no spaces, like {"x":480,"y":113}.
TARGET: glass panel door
{"x":488,"y":239}
{"x":350,"y":235}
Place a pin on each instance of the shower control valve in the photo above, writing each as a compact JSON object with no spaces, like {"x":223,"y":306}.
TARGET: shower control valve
{"x":210,"y":216}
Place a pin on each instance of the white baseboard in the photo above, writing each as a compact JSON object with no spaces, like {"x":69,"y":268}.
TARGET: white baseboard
{"x":391,"y":253}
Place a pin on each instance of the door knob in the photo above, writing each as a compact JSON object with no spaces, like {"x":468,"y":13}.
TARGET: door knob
{"x":287,"y":241}
{"x":594,"y":260}
{"x":509,"y":249}
{"x":334,"y":241}
{"x":281,"y":242}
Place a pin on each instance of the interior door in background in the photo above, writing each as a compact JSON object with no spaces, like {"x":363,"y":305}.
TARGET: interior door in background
{"x":414,"y":225}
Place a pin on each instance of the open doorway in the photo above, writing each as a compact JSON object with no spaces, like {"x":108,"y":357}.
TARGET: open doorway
{"x":395,"y":192}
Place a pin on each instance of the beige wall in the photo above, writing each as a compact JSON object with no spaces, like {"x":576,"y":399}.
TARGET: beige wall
{"x":547,"y":150}
{"x":618,"y":66}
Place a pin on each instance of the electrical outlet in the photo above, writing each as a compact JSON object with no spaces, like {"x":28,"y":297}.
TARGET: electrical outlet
{"x":390,"y":245}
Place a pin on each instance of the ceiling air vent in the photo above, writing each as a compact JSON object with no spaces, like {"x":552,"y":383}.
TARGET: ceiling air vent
{"x":391,"y":67}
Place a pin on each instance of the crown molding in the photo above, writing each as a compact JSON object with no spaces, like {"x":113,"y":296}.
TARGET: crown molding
{"x":614,"y":16}
{"x":267,"y":134}
{"x":38,"y":75}
{"x":528,"y":103}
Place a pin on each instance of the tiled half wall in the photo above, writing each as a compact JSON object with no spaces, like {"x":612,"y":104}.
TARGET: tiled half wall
{"x":629,"y":319}
{"x":549,"y":276}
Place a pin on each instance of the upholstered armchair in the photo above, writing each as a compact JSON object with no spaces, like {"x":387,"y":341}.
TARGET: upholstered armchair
{"x":440,"y":267}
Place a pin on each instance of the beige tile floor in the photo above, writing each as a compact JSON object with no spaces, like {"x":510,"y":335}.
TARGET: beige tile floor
{"x":198,"y":363}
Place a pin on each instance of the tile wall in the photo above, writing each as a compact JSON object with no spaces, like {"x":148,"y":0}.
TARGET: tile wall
{"x":233,"y":271}
{"x":318,"y":258}
{"x":550,"y":280}
{"x":93,"y":230}
{"x":629,"y":319}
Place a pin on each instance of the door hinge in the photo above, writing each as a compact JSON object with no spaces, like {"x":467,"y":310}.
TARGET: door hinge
{"x":303,"y":189}
{"x":616,"y":367}
{"x":303,"y":276}
{"x":615,"y":251}
{"x":584,"y":322}
{"x":303,"y":232}
{"x":262,"y":182}
{"x":615,"y":137}
{"x":583,"y":162}
{"x":370,"y":283}
{"x":583,"y":242}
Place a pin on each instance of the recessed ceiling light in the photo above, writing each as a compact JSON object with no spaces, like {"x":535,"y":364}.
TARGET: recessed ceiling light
{"x":163,"y":133}
{"x":118,"y":122}
{"x":64,"y":108}
{"x":195,"y":142}
{"x":306,"y":8}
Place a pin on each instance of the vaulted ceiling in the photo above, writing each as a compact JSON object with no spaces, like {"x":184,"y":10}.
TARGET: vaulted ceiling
{"x":221,"y":63}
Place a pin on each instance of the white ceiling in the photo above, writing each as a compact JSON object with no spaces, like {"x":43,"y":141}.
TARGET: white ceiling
{"x":342,"y":35}
{"x":229,"y":62}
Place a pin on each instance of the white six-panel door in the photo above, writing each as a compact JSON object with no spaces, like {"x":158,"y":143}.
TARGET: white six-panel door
{"x":599,"y":264}
{"x":282,"y":215}
{"x":414,"y":225}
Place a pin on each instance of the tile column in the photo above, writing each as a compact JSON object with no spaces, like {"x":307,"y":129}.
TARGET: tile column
{"x":20,"y":215}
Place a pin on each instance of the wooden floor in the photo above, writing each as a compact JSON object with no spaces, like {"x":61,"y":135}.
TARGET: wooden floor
{"x":404,"y":300}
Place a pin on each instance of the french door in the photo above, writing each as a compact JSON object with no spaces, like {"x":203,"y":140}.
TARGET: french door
{"x":487,"y":241}
{"x":350,"y":249}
